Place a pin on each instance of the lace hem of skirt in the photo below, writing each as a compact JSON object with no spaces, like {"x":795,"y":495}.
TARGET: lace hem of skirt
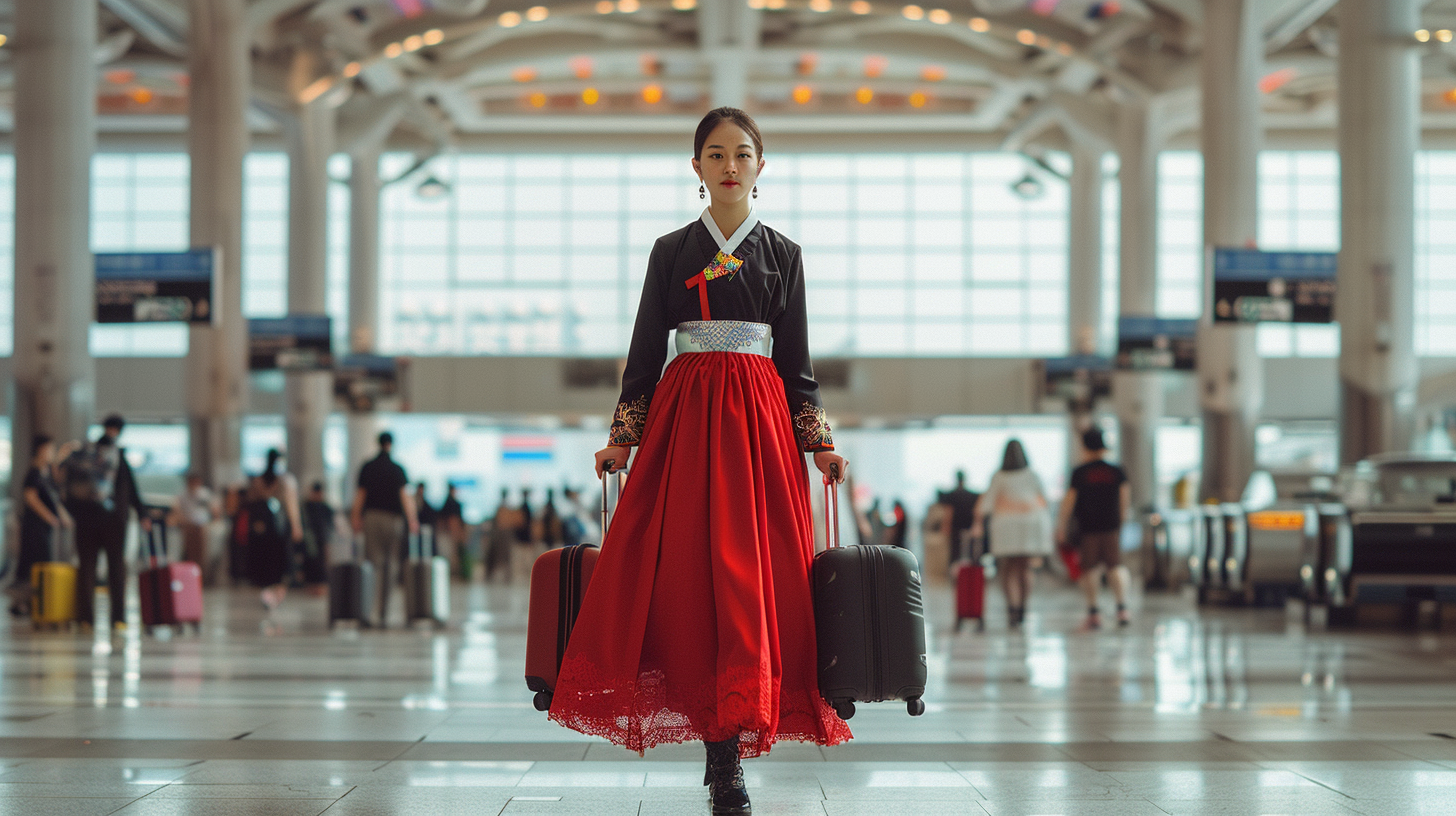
{"x":651,"y":712}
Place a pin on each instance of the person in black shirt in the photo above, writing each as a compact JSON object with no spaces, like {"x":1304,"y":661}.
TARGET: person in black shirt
{"x":962,"y":515}
{"x":450,"y":530}
{"x":383,"y":509}
{"x":101,"y":492}
{"x":41,"y":520}
{"x":1098,"y":499}
{"x":318,"y":527}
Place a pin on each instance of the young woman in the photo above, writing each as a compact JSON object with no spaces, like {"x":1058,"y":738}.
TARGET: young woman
{"x":1021,"y":526}
{"x":41,"y":519}
{"x":274,"y":520}
{"x":698,"y":624}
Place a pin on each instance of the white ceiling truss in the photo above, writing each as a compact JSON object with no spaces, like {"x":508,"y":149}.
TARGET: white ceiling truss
{"x":1005,"y":72}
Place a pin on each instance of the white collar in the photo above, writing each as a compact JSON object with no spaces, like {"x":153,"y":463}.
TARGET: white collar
{"x":728,"y":245}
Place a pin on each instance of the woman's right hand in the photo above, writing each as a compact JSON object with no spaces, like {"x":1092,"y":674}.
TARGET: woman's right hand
{"x":614,"y":454}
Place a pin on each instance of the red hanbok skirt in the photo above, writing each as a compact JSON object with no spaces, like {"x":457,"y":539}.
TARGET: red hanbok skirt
{"x":699,"y":621}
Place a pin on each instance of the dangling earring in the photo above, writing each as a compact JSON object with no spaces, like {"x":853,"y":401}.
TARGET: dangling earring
{"x":755,"y":191}
{"x":702,"y":191}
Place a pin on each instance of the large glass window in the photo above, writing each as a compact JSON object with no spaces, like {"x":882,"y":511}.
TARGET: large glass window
{"x":918,"y":255}
{"x":1436,"y":252}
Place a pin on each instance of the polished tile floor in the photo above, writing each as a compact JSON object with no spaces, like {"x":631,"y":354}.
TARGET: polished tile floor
{"x":1185,"y":712}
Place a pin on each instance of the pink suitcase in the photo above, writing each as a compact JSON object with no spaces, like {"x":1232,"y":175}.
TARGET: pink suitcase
{"x":171,"y":592}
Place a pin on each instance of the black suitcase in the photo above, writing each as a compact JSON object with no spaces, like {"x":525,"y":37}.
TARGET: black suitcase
{"x":426,"y":582}
{"x":351,"y":591}
{"x":870,"y":621}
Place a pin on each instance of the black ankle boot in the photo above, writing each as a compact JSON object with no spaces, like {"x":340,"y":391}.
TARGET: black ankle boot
{"x":725,"y":778}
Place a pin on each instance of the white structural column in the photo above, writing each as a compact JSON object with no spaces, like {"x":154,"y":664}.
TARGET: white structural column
{"x":364,"y":190}
{"x":728,"y":34}
{"x":1230,"y":370}
{"x":1084,"y":278}
{"x":1375,"y":299}
{"x":217,"y":137}
{"x":308,"y":395}
{"x":1084,"y":259}
{"x":55,"y":136}
{"x":1138,"y":396}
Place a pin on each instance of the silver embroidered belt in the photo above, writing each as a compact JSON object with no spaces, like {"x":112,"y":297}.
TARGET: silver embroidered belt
{"x":725,"y":335}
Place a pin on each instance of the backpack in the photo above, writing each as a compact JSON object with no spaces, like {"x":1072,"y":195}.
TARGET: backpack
{"x":91,"y":473}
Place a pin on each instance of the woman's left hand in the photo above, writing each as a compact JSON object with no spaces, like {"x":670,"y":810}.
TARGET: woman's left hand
{"x":825,"y":460}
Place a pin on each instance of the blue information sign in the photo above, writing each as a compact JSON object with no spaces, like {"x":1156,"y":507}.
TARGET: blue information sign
{"x":1081,"y":377}
{"x":293,"y":343}
{"x":1155,"y":343}
{"x":1254,"y":286}
{"x":156,"y":287}
{"x":361,"y":380}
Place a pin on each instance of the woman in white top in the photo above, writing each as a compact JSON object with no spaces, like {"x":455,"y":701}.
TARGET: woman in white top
{"x":1021,"y":526}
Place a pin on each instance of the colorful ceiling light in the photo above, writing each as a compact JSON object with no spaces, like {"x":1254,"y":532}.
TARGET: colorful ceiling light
{"x":1443,"y":35}
{"x":860,"y":7}
{"x":932,"y":73}
{"x":591,"y":96}
{"x":352,"y":69}
{"x":537,"y":100}
{"x":821,"y":6}
{"x":605,"y":7}
{"x":918,"y":99}
{"x":1026,"y":36}
{"x":803,"y":94}
{"x":414,"y":42}
{"x":537,"y":13}
{"x":628,"y":6}
{"x":652,"y":94}
{"x":938,"y":16}
{"x":684,"y":5}
{"x":980,"y":25}
{"x":393,"y":50}
{"x":1422,"y":35}
{"x":434,"y":36}
{"x":581,"y":67}
{"x":510,"y":19}
{"x":1044,"y":7}
{"x":864,"y":95}
{"x":875,"y":65}
{"x":1274,"y":80}
{"x":808,"y":61}
{"x":913,"y":12}
{"x":525,"y":73}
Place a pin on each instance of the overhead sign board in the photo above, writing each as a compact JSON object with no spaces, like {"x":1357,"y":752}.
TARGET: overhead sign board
{"x":156,"y":287}
{"x":1080,"y":377}
{"x":1254,"y":286}
{"x":361,"y":381}
{"x":1156,"y":344}
{"x":293,"y":343}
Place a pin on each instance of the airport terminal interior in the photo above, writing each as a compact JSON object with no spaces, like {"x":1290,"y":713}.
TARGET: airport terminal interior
{"x":1210,"y":241}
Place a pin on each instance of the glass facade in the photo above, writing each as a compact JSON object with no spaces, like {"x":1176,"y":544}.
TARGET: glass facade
{"x":906,"y":254}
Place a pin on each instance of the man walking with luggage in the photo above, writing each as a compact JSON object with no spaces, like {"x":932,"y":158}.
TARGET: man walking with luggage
{"x":383,"y":510}
{"x":1098,"y":499}
{"x":101,"y":492}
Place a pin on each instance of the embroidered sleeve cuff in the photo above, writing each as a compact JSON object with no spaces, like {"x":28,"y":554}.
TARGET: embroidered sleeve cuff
{"x":628,"y":422}
{"x":812,"y":429}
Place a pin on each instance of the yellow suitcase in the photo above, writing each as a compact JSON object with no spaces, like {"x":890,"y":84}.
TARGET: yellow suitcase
{"x":53,"y":599}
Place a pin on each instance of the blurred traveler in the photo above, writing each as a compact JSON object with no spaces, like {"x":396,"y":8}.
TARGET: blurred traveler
{"x":194,"y":509}
{"x":527,"y":531}
{"x":551,"y":534}
{"x":383,"y":511}
{"x":100,"y":493}
{"x":502,"y":537}
{"x":275,"y":529}
{"x":897,"y":532}
{"x":42,"y":520}
{"x":1098,"y":500}
{"x":962,"y":515}
{"x":450,"y":529}
{"x":319,"y":523}
{"x":1021,"y":526}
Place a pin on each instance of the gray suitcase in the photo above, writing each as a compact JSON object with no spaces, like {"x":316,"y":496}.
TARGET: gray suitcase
{"x":426,"y":581}
{"x":351,"y":590}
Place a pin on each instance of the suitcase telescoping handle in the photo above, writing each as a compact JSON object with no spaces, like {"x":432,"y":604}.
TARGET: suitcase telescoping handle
{"x":157,"y":537}
{"x":607,"y":470}
{"x":831,"y":508}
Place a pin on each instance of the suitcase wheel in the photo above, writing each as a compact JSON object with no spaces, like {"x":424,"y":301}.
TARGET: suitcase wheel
{"x":844,"y":708}
{"x":542,"y":701}
{"x":916,"y":707}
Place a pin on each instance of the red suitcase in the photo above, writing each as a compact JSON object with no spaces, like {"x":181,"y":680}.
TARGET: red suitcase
{"x":559,"y":579}
{"x":971,"y":590}
{"x":171,"y":592}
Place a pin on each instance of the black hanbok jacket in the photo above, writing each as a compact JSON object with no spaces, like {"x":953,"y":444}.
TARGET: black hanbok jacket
{"x":769,"y":288}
